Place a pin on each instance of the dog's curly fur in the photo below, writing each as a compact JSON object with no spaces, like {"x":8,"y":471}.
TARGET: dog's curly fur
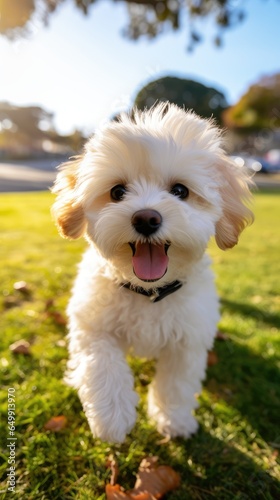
{"x":168,"y":164}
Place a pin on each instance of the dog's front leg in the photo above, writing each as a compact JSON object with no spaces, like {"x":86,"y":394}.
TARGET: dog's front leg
{"x":105,"y":386}
{"x":172,"y":399}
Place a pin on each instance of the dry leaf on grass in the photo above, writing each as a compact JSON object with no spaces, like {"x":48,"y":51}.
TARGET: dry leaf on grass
{"x":22,"y":287}
{"x":57,"y":317}
{"x":56,"y":424}
{"x":114,"y":492}
{"x":153,"y":481}
{"x":212,"y":358}
{"x":49,"y":304}
{"x":21,"y":347}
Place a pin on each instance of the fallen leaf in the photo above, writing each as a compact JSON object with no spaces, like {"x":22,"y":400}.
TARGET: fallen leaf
{"x":56,"y":424}
{"x":212,"y":358}
{"x":142,"y":496}
{"x":152,"y":483}
{"x":23,"y":287}
{"x":155,"y":479}
{"x":51,"y":312}
{"x":21,"y":347}
{"x":114,"y":492}
{"x":49,"y":304}
{"x":58,"y":317}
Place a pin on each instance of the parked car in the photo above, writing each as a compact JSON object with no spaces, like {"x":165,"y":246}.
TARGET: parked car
{"x":248,"y":162}
{"x":266,"y":167}
{"x":257,"y":164}
{"x":272,"y":157}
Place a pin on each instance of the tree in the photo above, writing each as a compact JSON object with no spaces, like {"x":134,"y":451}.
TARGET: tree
{"x":206,"y":101}
{"x":31,"y":128}
{"x":147,"y":18}
{"x":258,"y":108}
{"x":29,"y":120}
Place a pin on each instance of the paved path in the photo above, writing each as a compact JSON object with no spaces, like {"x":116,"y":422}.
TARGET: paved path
{"x":269,"y":181}
{"x":14,"y":178}
{"x":33,"y":175}
{"x":39,"y":175}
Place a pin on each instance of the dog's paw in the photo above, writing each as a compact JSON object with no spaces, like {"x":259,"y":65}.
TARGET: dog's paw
{"x":174,"y":422}
{"x":114,"y":421}
{"x":113,"y":433}
{"x":172,"y":426}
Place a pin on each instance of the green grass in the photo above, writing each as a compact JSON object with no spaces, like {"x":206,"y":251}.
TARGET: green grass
{"x":234,"y":454}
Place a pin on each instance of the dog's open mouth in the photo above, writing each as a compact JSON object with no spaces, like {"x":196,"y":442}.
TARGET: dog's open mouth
{"x":150,"y":261}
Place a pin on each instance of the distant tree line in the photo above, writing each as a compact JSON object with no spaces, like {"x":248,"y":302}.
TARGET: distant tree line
{"x":256,"y":110}
{"x":30,"y":129}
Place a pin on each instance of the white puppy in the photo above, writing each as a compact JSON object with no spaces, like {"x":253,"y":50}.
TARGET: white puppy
{"x":148,"y":194}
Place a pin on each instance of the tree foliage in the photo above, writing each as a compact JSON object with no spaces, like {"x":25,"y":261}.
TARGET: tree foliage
{"x":206,"y":101}
{"x":29,"y":120}
{"x":30,"y":126}
{"x":148,"y":18}
{"x":258,"y":108}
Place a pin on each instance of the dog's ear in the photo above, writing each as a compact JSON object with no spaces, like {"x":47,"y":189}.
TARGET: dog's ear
{"x":67,"y":210}
{"x":236,"y":196}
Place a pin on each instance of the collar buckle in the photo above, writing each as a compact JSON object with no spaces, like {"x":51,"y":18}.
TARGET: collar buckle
{"x":154,"y":296}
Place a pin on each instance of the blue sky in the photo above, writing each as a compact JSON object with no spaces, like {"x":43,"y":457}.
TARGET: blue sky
{"x":84,"y":70}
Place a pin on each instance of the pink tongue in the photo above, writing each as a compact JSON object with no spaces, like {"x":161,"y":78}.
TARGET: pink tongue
{"x":150,"y":261}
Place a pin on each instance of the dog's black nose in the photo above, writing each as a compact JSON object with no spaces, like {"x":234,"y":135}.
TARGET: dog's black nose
{"x":146,"y":221}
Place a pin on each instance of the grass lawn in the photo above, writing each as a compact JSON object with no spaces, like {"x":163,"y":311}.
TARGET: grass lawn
{"x":233,"y":456}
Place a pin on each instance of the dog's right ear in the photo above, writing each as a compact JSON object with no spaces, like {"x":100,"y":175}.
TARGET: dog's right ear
{"x":67,"y":210}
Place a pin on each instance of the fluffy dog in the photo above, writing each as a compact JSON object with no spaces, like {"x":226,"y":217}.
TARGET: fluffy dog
{"x":148,"y":194}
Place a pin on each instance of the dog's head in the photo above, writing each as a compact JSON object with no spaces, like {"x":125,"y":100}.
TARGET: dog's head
{"x":149,"y":192}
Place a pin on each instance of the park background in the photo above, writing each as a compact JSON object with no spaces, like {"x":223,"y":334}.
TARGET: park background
{"x":66,"y":67}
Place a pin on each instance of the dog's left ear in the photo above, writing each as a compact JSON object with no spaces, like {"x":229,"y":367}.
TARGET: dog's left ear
{"x":236,"y":196}
{"x":67,"y":210}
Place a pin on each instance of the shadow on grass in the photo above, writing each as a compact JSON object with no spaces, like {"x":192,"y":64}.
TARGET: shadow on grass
{"x":247,"y":381}
{"x":212,"y":468}
{"x":208,"y":467}
{"x":71,"y":464}
{"x":252,"y":311}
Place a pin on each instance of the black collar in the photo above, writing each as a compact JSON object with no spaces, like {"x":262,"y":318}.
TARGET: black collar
{"x":155,"y":294}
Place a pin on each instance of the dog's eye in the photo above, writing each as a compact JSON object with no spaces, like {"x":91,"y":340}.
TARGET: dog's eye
{"x":180,"y":191}
{"x":118,"y":192}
